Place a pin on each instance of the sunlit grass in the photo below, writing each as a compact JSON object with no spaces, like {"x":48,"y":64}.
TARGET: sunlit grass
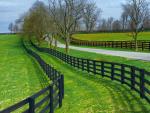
{"x":86,"y":93}
{"x":111,"y":36}
{"x":20,"y":75}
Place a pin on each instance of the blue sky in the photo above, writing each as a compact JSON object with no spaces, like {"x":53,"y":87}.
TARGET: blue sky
{"x":10,"y":10}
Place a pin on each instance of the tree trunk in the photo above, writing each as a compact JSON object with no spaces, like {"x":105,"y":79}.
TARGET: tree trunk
{"x":136,"y":43}
{"x":55,"y":43}
{"x":67,"y":44}
{"x":51,"y":41}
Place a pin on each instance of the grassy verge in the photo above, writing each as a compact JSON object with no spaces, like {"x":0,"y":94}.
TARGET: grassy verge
{"x":20,"y":75}
{"x":93,"y":94}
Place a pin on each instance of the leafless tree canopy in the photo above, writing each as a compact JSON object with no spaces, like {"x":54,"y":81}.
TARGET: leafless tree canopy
{"x":138,"y":12}
{"x":66,"y":14}
{"x":90,"y":16}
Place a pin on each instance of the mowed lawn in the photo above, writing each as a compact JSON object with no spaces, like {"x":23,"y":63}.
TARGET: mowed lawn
{"x":111,"y":36}
{"x":20,"y":75}
{"x":86,"y":93}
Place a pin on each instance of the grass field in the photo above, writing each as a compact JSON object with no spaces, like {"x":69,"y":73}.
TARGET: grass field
{"x":20,"y":75}
{"x":111,"y":36}
{"x":91,"y":94}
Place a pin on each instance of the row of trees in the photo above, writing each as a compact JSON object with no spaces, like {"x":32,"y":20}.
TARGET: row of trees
{"x":62,"y":18}
{"x":124,"y":23}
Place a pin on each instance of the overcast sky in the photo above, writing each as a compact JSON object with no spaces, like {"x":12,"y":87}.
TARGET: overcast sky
{"x":10,"y":10}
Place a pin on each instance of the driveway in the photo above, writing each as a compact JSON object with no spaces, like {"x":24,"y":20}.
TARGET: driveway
{"x":131,"y":55}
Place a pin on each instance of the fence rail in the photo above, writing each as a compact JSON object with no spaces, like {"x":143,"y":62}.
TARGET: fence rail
{"x":142,"y":44}
{"x":52,"y":95}
{"x":137,"y":79}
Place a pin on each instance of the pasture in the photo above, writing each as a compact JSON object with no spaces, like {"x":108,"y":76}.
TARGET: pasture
{"x":80,"y":85}
{"x":84,"y":93}
{"x":87,"y":93}
{"x":111,"y":36}
{"x":20,"y":75}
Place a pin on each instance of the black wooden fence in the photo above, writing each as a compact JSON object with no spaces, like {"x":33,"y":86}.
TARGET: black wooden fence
{"x":51,"y":96}
{"x":137,"y":79}
{"x":142,"y":44}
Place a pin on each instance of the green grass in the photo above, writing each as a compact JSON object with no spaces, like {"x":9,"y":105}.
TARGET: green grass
{"x":86,"y":93}
{"x":111,"y":36}
{"x":20,"y":75}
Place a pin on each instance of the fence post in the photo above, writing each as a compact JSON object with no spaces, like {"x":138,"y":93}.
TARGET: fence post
{"x":51,"y":99}
{"x":62,"y":85}
{"x":74,"y":61}
{"x":149,"y":46}
{"x":142,"y":93}
{"x":112,"y":71}
{"x":122,"y":73}
{"x":102,"y":69}
{"x":60,"y":91}
{"x":78,"y":63}
{"x":94,"y":66}
{"x":88,"y":66}
{"x":31,"y":105}
{"x":112,"y":44}
{"x":82,"y":65}
{"x":132,"y":78}
{"x":105,"y":44}
{"x":121,"y":44}
{"x":142,"y":47}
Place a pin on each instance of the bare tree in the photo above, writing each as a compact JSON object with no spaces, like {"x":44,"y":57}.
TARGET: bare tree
{"x":124,"y":20}
{"x":10,"y":27}
{"x":103,"y":25}
{"x":65,"y":14}
{"x":138,"y":10}
{"x":116,"y":25}
{"x":90,"y":16}
{"x":109,"y":23}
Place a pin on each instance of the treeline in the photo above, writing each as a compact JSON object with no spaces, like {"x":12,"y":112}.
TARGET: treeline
{"x":63,"y":18}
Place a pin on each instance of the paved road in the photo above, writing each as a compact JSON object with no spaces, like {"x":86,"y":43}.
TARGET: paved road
{"x":131,"y":55}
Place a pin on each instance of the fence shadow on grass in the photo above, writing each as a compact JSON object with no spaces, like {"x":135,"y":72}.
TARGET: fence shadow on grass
{"x":125,"y":74}
{"x":127,"y":97}
{"x":44,"y":82}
